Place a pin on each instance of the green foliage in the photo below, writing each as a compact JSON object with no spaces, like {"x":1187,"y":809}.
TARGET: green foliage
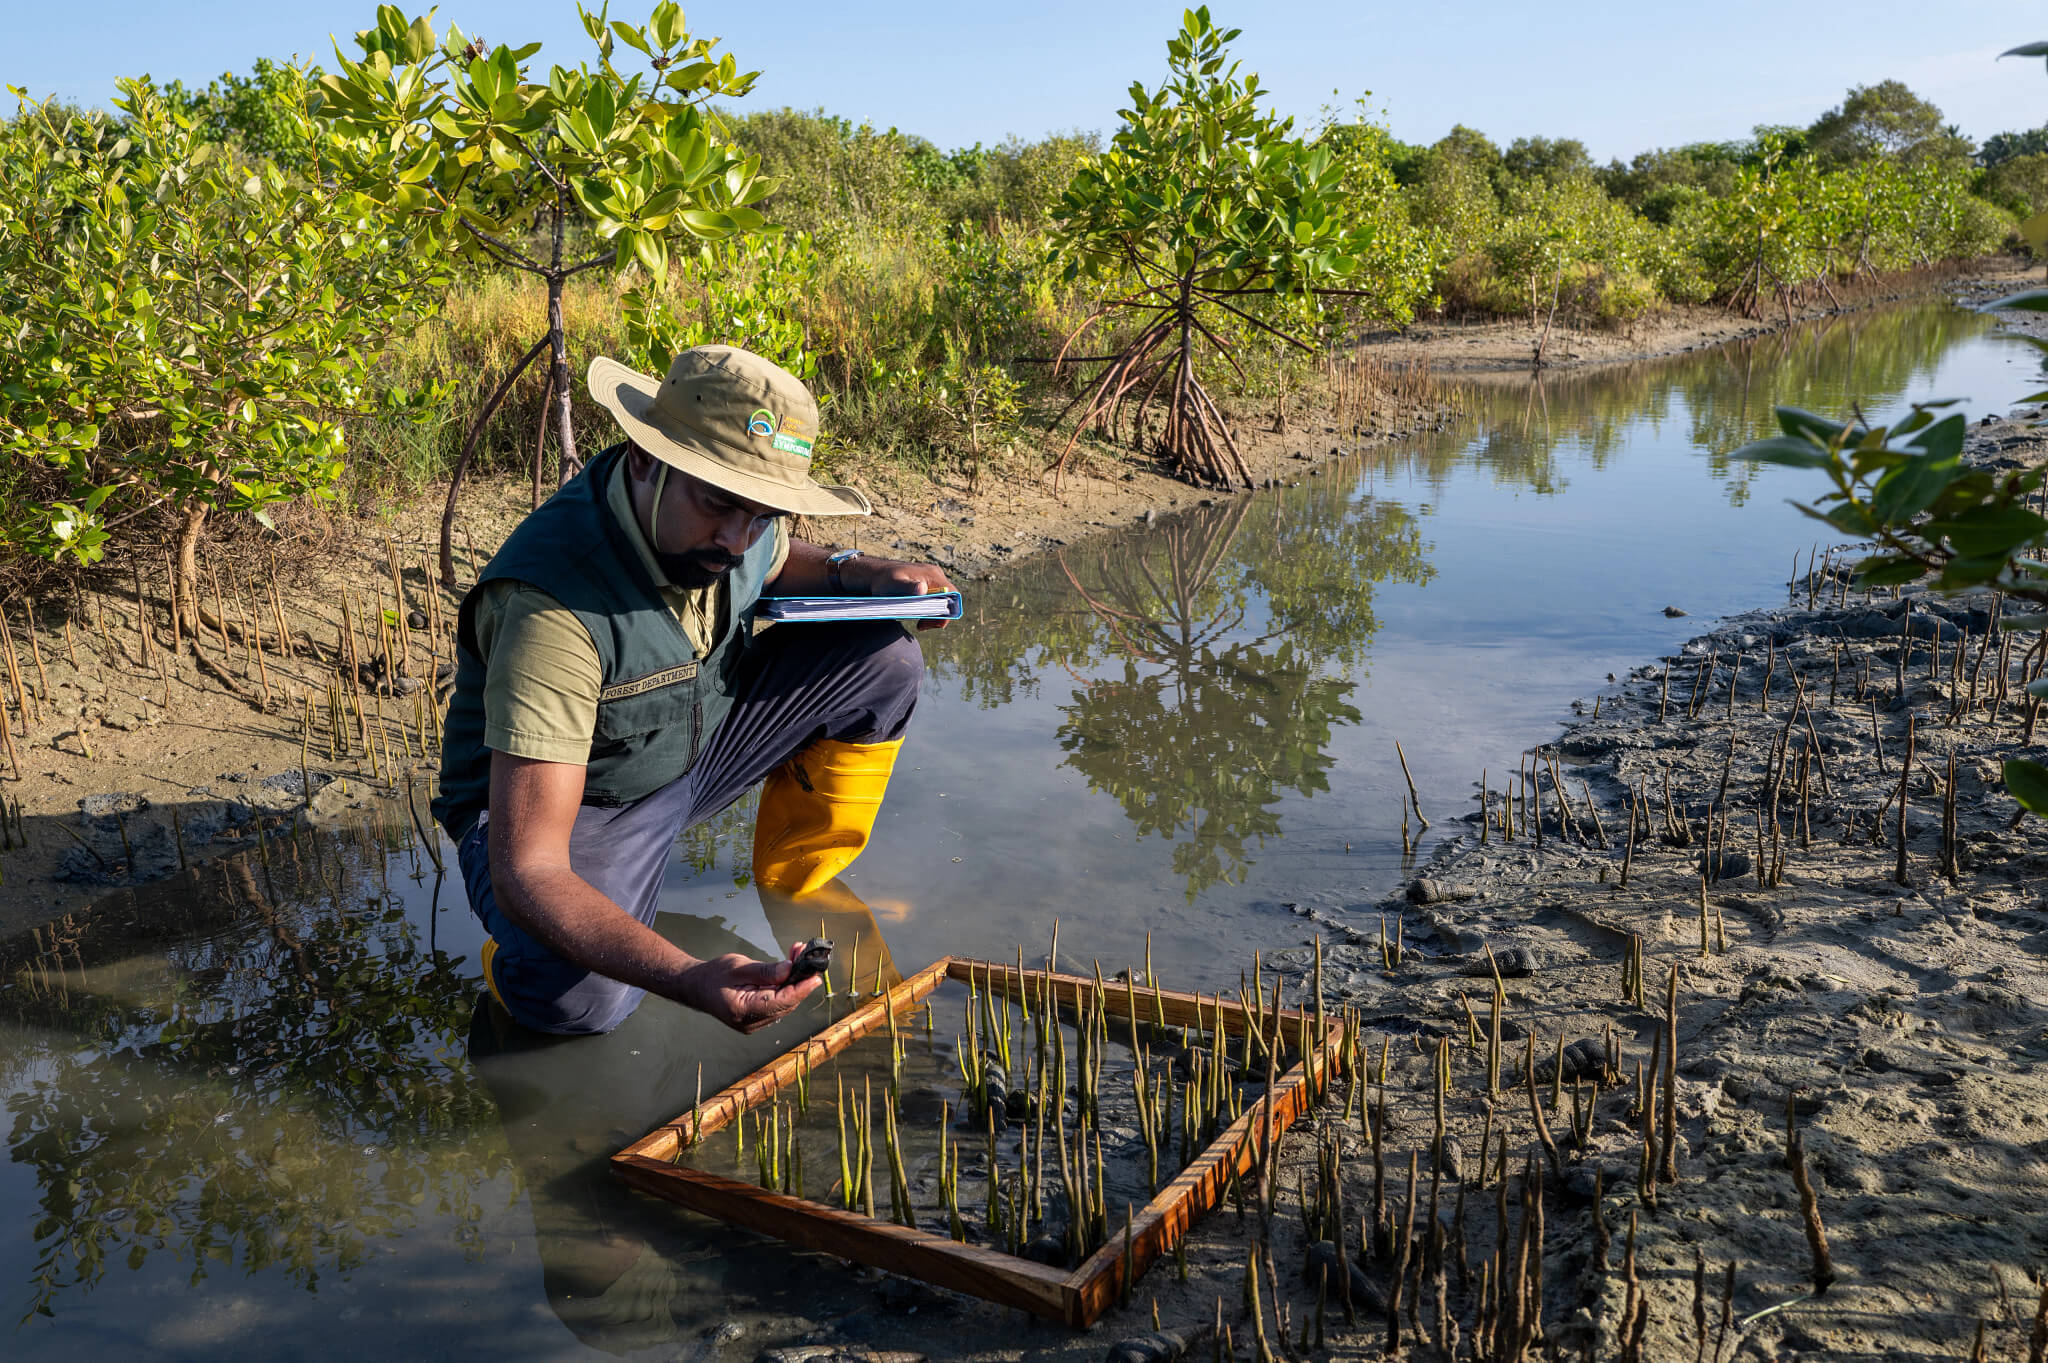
{"x":900,"y":271}
{"x":1016,"y":183}
{"x":186,"y":324}
{"x":1452,"y":193}
{"x":1660,"y":183}
{"x":2027,"y":782}
{"x":834,"y":179}
{"x":261,"y":114}
{"x":1399,"y":258}
{"x":1200,"y":185}
{"x":1551,"y":160}
{"x":483,"y":152}
{"x":2002,"y":147}
{"x":1789,"y":225}
{"x":745,"y":291}
{"x":2018,"y":184}
{"x":1906,"y":488}
{"x":477,"y":158}
{"x":1557,"y":229}
{"x":1885,"y":121}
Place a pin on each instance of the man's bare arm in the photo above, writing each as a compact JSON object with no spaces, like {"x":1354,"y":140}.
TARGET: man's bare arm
{"x":533,"y":808}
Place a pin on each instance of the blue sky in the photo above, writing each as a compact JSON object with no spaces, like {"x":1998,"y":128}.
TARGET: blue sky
{"x":1619,"y":77}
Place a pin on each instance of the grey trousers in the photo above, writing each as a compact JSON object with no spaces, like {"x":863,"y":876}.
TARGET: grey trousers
{"x":855,"y":682}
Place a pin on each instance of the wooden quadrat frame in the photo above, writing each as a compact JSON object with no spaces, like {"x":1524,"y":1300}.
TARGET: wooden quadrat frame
{"x":1075,"y":1298}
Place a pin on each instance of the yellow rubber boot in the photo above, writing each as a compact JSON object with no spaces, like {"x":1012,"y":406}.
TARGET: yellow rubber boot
{"x":817,"y":810}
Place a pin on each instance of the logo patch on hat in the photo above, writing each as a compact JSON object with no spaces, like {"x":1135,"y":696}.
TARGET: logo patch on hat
{"x":794,"y":437}
{"x":761,"y":422}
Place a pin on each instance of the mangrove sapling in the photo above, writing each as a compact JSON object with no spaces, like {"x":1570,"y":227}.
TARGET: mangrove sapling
{"x":1398,"y":1276}
{"x":864,"y":1173}
{"x":1668,"y":1172}
{"x":1376,"y":1131}
{"x":1593,"y":810}
{"x":1899,"y":872}
{"x":1635,"y":1311}
{"x":35,"y":648}
{"x":1150,"y":216}
{"x":1493,"y":1035}
{"x":1949,"y":860}
{"x":1536,"y":1105}
{"x":1414,"y":799}
{"x":1809,"y":1214}
{"x":1628,"y":855}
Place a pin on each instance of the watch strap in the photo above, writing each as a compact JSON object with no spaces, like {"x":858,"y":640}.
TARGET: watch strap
{"x":832,"y":565}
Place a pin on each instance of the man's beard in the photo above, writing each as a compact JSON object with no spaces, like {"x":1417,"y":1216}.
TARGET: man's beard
{"x":696,"y":569}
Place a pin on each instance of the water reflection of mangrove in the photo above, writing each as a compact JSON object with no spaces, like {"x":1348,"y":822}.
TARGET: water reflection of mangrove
{"x":247,"y":1066}
{"x":1721,"y":397}
{"x":1230,"y":644}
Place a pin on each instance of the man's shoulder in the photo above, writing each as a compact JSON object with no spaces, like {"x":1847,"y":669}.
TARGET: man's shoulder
{"x":508,"y":609}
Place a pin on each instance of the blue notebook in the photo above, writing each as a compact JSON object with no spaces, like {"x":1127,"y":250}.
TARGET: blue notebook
{"x":930,"y":606}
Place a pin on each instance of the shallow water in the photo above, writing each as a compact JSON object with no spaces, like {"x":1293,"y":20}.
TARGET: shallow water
{"x":247,"y":1108}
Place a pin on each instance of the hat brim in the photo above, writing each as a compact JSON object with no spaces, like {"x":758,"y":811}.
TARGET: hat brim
{"x":629,"y":397}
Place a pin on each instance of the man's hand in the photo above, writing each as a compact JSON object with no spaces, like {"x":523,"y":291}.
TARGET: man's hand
{"x":745,"y":995}
{"x":533,"y":809}
{"x":888,"y":577}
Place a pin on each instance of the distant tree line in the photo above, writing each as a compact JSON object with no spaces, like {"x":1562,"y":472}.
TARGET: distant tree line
{"x":917,"y":287}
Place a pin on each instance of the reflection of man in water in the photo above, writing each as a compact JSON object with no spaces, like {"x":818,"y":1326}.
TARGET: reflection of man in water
{"x":619,"y":1269}
{"x":610,"y":692}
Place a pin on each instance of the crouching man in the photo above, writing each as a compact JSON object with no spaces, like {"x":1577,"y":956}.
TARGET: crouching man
{"x":610,"y":691}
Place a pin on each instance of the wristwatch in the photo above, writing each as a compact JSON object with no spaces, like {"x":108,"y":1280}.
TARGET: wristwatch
{"x":832,"y":563}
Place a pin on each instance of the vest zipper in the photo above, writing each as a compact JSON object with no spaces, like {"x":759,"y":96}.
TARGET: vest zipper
{"x":696,"y":727}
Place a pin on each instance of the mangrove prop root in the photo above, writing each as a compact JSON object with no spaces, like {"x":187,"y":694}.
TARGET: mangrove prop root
{"x":1809,"y":1213}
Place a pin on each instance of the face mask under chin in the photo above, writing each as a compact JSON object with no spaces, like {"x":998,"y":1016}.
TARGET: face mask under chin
{"x":695,"y":568}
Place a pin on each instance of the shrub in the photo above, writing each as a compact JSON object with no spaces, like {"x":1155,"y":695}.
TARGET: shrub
{"x":185,"y":326}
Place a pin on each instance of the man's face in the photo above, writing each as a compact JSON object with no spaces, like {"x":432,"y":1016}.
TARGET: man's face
{"x":698,"y":532}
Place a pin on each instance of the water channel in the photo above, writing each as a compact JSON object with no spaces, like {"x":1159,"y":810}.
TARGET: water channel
{"x":254,"y":1108}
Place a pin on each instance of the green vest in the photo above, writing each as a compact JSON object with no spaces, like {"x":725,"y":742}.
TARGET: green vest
{"x":658,"y":700}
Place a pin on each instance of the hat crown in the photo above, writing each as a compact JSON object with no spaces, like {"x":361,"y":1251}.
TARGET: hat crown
{"x":730,"y":418}
{"x":739,"y":399}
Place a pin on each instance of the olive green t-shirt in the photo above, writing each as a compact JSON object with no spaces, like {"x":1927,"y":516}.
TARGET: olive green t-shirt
{"x":542,"y":672}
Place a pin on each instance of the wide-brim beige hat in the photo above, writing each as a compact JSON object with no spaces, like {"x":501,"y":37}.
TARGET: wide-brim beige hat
{"x":739,"y":422}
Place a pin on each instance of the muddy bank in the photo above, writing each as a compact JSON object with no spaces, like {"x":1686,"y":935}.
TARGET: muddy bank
{"x":1724,"y":824}
{"x":1856,"y":943}
{"x":1506,"y":348}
